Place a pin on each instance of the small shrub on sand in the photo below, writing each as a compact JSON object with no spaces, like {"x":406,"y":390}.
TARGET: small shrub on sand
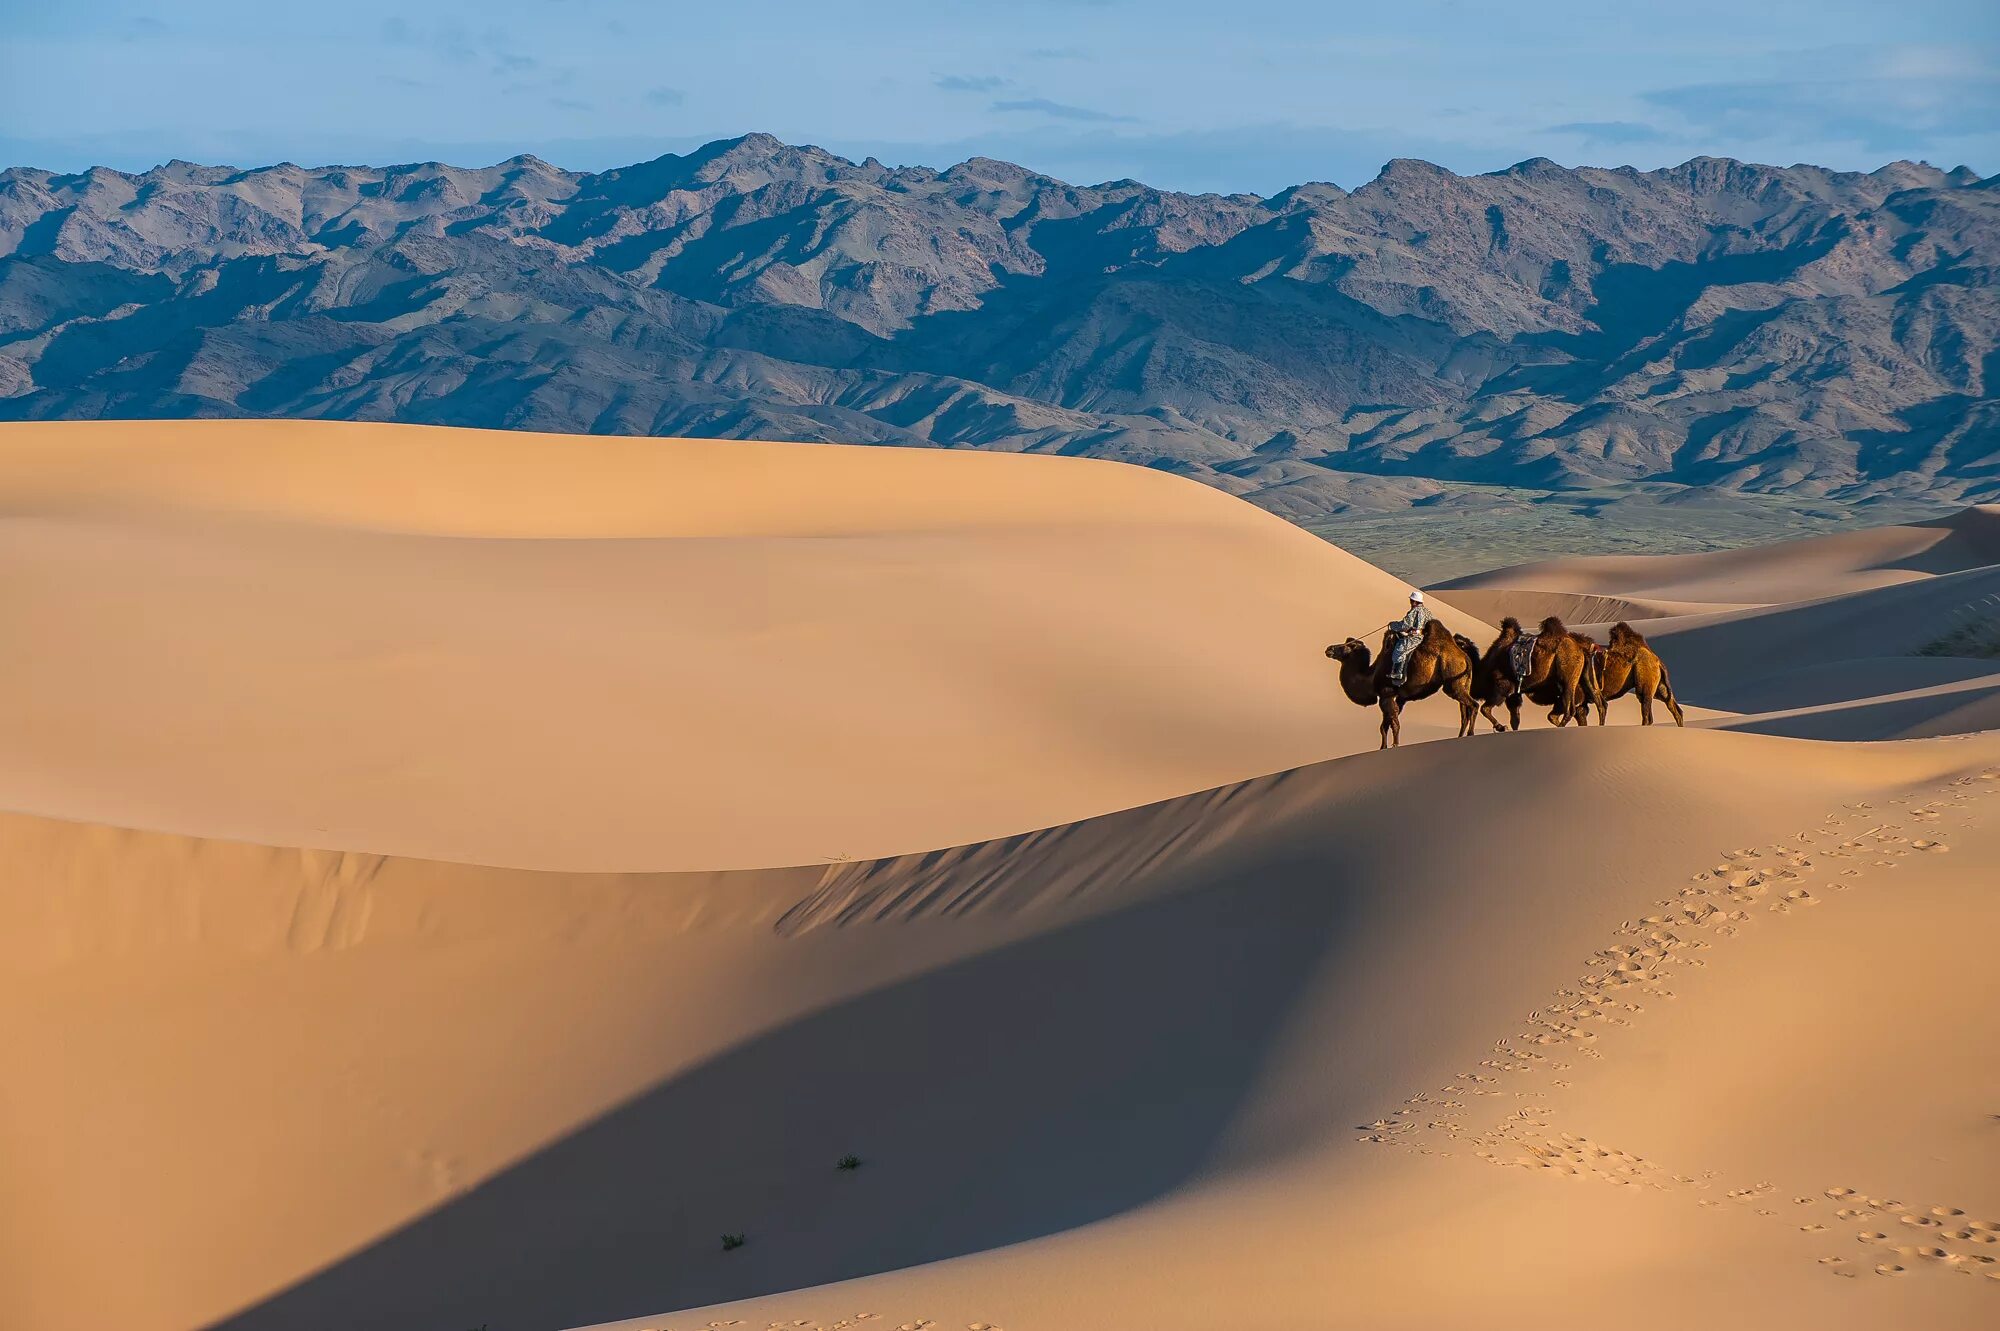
{"x":1977,"y":638}
{"x":731,"y":1242}
{"x":848,"y":1162}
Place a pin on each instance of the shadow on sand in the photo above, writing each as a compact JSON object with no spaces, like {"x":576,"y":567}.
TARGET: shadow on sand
{"x":1055,"y":1081}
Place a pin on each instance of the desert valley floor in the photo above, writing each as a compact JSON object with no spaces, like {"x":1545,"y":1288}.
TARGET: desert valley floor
{"x":453,"y":879}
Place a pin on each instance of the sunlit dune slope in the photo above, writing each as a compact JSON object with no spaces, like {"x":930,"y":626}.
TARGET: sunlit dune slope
{"x":637,"y":653}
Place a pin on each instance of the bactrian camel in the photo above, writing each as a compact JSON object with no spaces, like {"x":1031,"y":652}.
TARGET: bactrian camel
{"x":1628,"y":665}
{"x":1561,"y":675}
{"x":1439,"y":662}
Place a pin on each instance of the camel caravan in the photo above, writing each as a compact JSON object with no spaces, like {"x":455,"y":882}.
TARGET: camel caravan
{"x":1554,"y":667}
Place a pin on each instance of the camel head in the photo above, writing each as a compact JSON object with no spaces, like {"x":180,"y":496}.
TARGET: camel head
{"x":1352,"y":650}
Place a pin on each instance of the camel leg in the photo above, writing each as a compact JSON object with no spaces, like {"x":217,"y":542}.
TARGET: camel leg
{"x":1565,"y":711}
{"x":1468,"y":715}
{"x":1645,"y":707}
{"x":1392,"y":721}
{"x":1667,"y":697}
{"x":1513,"y":711}
{"x":1486,"y":710}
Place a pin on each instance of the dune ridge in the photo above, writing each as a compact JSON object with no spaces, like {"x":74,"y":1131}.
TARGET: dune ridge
{"x":1803,"y":570}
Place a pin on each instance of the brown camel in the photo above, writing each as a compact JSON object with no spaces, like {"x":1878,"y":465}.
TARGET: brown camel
{"x":1437,"y":663}
{"x":1628,"y":665}
{"x":1561,"y":675}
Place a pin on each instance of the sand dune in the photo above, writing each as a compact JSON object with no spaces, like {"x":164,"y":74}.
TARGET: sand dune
{"x":621,"y":653}
{"x":1532,"y":606}
{"x":1746,"y":654}
{"x":1010,"y":1036}
{"x":1805,"y":570}
{"x":1496,"y":1099}
{"x":1204,"y":1020}
{"x":1818,"y":638}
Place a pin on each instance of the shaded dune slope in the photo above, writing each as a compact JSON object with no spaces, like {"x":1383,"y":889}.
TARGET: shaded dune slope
{"x":1849,"y":636}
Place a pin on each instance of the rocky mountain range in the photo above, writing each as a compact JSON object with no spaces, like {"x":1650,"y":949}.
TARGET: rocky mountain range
{"x":1719,"y":324}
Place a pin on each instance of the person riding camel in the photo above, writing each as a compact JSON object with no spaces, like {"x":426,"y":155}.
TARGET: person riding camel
{"x":1404,"y":635}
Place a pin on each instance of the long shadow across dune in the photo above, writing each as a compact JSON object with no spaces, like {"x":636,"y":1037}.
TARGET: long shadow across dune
{"x":1043,"y":1085}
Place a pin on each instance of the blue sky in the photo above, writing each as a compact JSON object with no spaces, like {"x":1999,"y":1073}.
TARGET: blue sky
{"x":1244,"y":95}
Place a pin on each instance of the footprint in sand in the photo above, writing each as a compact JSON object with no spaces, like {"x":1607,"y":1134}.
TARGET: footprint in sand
{"x":1889,"y":1269}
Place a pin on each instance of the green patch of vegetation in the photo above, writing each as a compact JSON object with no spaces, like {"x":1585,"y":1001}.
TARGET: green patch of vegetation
{"x":1976,"y":638}
{"x":1473,"y":528}
{"x":848,"y":1162}
{"x":731,"y":1242}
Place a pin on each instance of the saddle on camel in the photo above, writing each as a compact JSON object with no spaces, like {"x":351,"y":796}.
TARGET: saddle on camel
{"x":1551,"y":667}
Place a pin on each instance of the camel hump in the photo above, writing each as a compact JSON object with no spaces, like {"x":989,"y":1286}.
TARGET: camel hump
{"x":1553,"y":627}
{"x":1621,"y":633}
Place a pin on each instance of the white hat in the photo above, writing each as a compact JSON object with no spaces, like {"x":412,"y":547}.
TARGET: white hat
{"x":1417,"y":597}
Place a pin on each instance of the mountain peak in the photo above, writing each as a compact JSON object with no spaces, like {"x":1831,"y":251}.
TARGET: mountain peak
{"x":1412,"y":168}
{"x":1536,"y":167}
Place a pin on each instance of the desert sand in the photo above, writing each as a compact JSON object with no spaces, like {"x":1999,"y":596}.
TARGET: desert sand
{"x":454,"y":879}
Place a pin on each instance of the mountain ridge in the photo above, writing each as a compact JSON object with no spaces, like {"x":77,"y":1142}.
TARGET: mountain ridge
{"x":1717,"y":323}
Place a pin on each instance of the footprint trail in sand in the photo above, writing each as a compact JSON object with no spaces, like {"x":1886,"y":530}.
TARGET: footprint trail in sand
{"x":1850,"y":850}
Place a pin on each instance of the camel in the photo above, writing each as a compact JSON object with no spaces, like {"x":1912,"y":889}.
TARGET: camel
{"x":1439,"y":662}
{"x":1561,"y":675}
{"x":1628,"y":665}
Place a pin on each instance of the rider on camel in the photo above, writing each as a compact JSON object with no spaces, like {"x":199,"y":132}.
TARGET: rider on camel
{"x":1404,"y":635}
